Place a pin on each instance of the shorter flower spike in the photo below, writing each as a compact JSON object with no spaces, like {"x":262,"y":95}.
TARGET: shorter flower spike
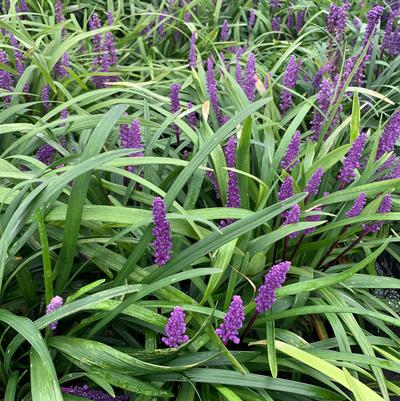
{"x":224,"y":36}
{"x":192,"y":51}
{"x":313,"y":184}
{"x":175,"y":329}
{"x":273,"y":280}
{"x":92,"y":394}
{"x":314,"y":217}
{"x":358,"y":206}
{"x":385,"y":207}
{"x":352,"y":160}
{"x":250,"y":79}
{"x":162,"y":232}
{"x":192,"y":119}
{"x":292,"y":217}
{"x":286,"y":189}
{"x":390,"y":135}
{"x":45,"y":154}
{"x":131,"y":137}
{"x":293,"y":149}
{"x":289,"y":82}
{"x":45,"y":97}
{"x":233,"y":321}
{"x":55,"y":303}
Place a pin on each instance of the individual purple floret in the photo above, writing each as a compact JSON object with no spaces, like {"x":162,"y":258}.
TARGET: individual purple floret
{"x":161,"y":232}
{"x":45,"y":98}
{"x":352,"y":161}
{"x":289,"y":82}
{"x":175,"y":329}
{"x":131,"y":138}
{"x":55,"y":303}
{"x":250,"y":77}
{"x":252,"y":19}
{"x":233,"y":321}
{"x":385,"y":207}
{"x":293,"y":149}
{"x":292,"y":217}
{"x":273,"y":280}
{"x":313,"y":218}
{"x":286,"y":189}
{"x":276,"y":24}
{"x":91,"y":394}
{"x":390,"y":135}
{"x":6,"y":79}
{"x":224,"y":35}
{"x":324,"y":99}
{"x":192,"y":51}
{"x":45,"y":154}
{"x":175,"y":106}
{"x":300,"y":20}
{"x":358,"y":206}
{"x":213,"y":91}
{"x":192,"y":119}
{"x":313,"y":184}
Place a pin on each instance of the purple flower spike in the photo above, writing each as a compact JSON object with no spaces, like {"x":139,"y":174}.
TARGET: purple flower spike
{"x":300,"y":20}
{"x":224,"y":36}
{"x":110,"y":18}
{"x":292,"y":217}
{"x":390,"y":135}
{"x":6,"y":79}
{"x":274,"y":3}
{"x":289,"y":82}
{"x":19,"y":57}
{"x":192,"y":119}
{"x":388,"y":32}
{"x":352,"y":161}
{"x":290,"y":18}
{"x":337,"y":20}
{"x":324,"y":99}
{"x":328,"y":67}
{"x":286,"y":190}
{"x":161,"y":28}
{"x":45,"y":154}
{"x":213,"y":179}
{"x":252,"y":19}
{"x":314,"y":217}
{"x":131,"y":138}
{"x":233,"y":321}
{"x":385,"y":207}
{"x":192,"y":51}
{"x":276,"y":24}
{"x":175,"y":106}
{"x":55,"y":303}
{"x":238,"y":67}
{"x":61,"y":65}
{"x":293,"y":149}
{"x":161,"y":232}
{"x":273,"y":280}
{"x":313,"y":184}
{"x":24,"y":6}
{"x":45,"y":97}
{"x":59,"y":12}
{"x":250,"y":77}
{"x":91,"y":394}
{"x":175,"y":329}
{"x":213,"y":91}
{"x":358,"y":206}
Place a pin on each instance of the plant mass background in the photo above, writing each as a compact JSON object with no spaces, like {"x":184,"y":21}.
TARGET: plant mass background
{"x":199,"y":200}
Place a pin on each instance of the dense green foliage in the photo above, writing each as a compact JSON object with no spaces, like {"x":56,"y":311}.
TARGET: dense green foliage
{"x":81,"y":227}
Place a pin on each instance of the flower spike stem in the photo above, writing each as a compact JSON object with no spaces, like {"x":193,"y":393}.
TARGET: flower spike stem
{"x":249,"y":325}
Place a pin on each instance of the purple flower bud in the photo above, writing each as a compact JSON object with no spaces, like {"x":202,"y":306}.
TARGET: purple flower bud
{"x":312,"y":218}
{"x":289,"y":82}
{"x":385,"y":207}
{"x":161,"y":232}
{"x":358,"y":206}
{"x":233,"y":321}
{"x":276,"y":24}
{"x":324,"y":99}
{"x":131,"y":138}
{"x":45,"y":97}
{"x":250,"y":77}
{"x":213,"y":91}
{"x":293,"y":149}
{"x":55,"y":303}
{"x":91,"y":394}
{"x":292,"y":217}
{"x":192,"y":51}
{"x":390,"y":135}
{"x":352,"y":160}
{"x":273,"y":280}
{"x":175,"y":329}
{"x":45,"y":154}
{"x":224,"y":36}
{"x":192,"y":119}
{"x":313,"y":184}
